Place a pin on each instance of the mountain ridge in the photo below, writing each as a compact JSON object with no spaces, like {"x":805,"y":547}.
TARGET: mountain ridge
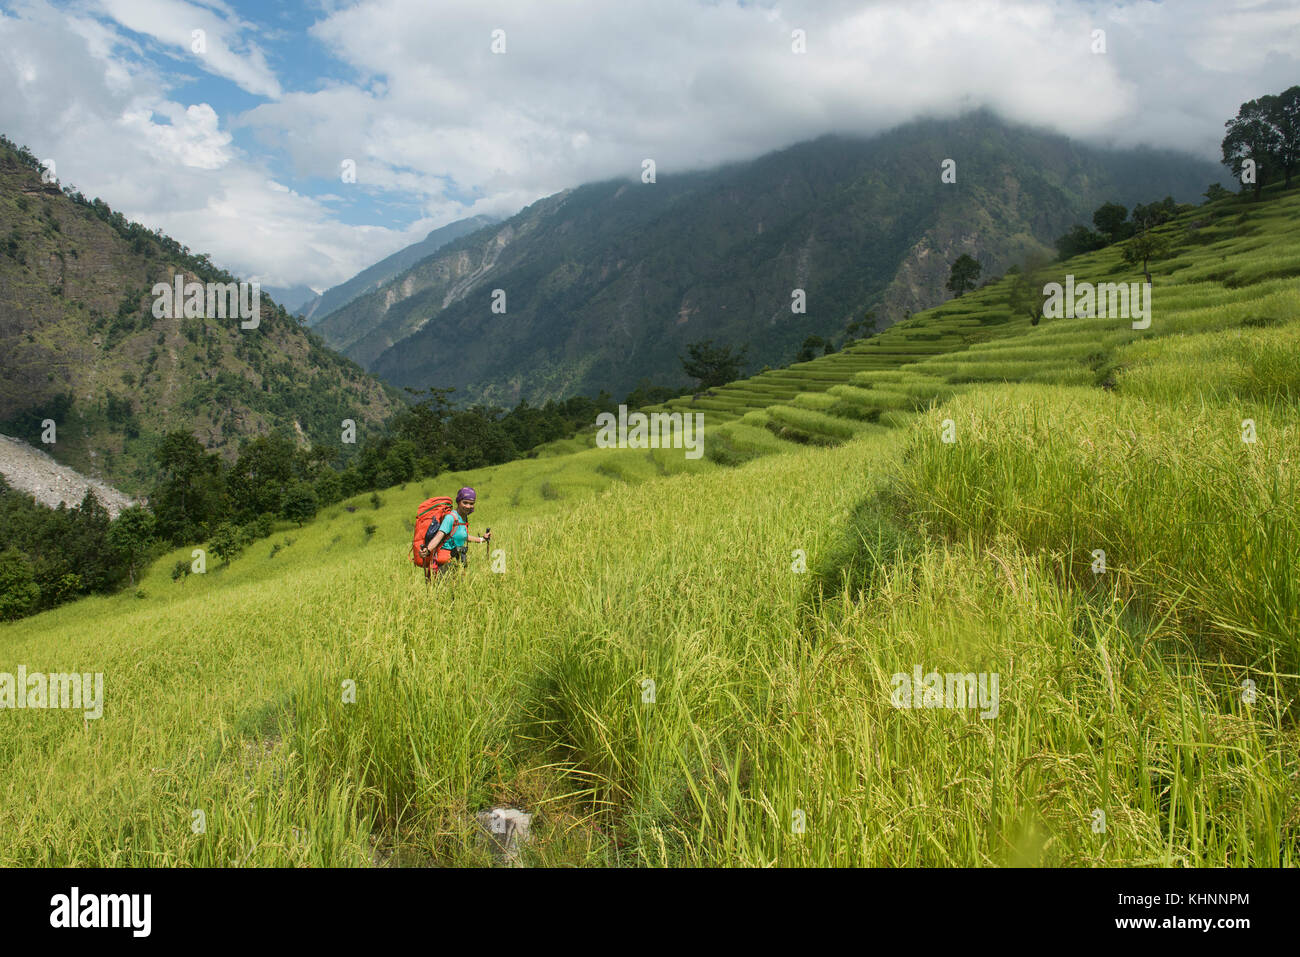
{"x":316,"y":310}
{"x":607,"y":282}
{"x":81,"y":347}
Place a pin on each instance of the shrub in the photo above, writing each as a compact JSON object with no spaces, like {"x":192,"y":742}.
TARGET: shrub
{"x":329,"y":487}
{"x":300,"y":503}
{"x":18,"y":589}
{"x":227,"y":542}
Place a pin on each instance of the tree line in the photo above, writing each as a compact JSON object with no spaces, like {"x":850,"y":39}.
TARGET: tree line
{"x":197,"y":495}
{"x":54,"y":555}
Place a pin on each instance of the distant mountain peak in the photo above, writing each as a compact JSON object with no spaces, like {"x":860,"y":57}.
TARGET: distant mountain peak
{"x":315,"y":310}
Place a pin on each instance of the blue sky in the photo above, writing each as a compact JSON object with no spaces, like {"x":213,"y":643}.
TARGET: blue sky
{"x":237,"y":149}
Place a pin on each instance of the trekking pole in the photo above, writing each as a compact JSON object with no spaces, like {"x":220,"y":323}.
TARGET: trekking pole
{"x":487,"y":544}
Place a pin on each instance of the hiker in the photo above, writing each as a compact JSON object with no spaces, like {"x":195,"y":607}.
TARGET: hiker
{"x":448,"y":539}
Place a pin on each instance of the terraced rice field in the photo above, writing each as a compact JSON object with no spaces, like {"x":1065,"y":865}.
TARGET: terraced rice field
{"x":1206,"y":283}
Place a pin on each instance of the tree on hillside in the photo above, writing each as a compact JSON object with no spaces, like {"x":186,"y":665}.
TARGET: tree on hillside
{"x":1144,"y":247}
{"x":316,"y":461}
{"x":132,"y":536}
{"x":1109,"y":219}
{"x":227,"y":542}
{"x":96,"y":564}
{"x":861,"y":328}
{"x":712,"y":365}
{"x":808,"y":351}
{"x":258,"y":480}
{"x":528,"y":426}
{"x":1025,"y":297}
{"x":329,"y":488}
{"x":1079,"y":240}
{"x":424,"y":422}
{"x":647,"y":393}
{"x":401,"y":461}
{"x":1151,"y":215}
{"x":965,"y":272}
{"x":1283,"y":114}
{"x":1251,"y":137}
{"x":190,"y":492}
{"x":66,"y":550}
{"x":300,"y":503}
{"x":476,"y":439}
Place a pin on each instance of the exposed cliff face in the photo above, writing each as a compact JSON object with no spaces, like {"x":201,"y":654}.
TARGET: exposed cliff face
{"x":372,"y":323}
{"x":920,"y":281}
{"x":372,"y":277}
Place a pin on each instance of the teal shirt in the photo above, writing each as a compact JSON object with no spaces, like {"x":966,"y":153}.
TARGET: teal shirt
{"x":460,"y":536}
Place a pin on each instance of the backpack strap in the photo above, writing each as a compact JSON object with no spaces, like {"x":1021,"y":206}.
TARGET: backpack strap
{"x":454,"y":523}
{"x":428,"y":574}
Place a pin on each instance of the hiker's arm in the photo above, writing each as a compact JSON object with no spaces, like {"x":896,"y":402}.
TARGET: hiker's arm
{"x":432,"y":544}
{"x":478,"y":539}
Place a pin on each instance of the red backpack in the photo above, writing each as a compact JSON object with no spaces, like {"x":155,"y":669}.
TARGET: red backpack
{"x":430,"y":511}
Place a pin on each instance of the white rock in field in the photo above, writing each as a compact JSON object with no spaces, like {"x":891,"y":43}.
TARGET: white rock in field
{"x":508,"y":829}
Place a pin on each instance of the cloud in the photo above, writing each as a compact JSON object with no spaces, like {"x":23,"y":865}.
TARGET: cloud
{"x":103,"y":117}
{"x":191,"y":137}
{"x":439,"y":127}
{"x":586,"y":91}
{"x":206,"y":36}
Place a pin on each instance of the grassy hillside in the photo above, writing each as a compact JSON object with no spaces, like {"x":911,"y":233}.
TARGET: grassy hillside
{"x":1126,"y":731}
